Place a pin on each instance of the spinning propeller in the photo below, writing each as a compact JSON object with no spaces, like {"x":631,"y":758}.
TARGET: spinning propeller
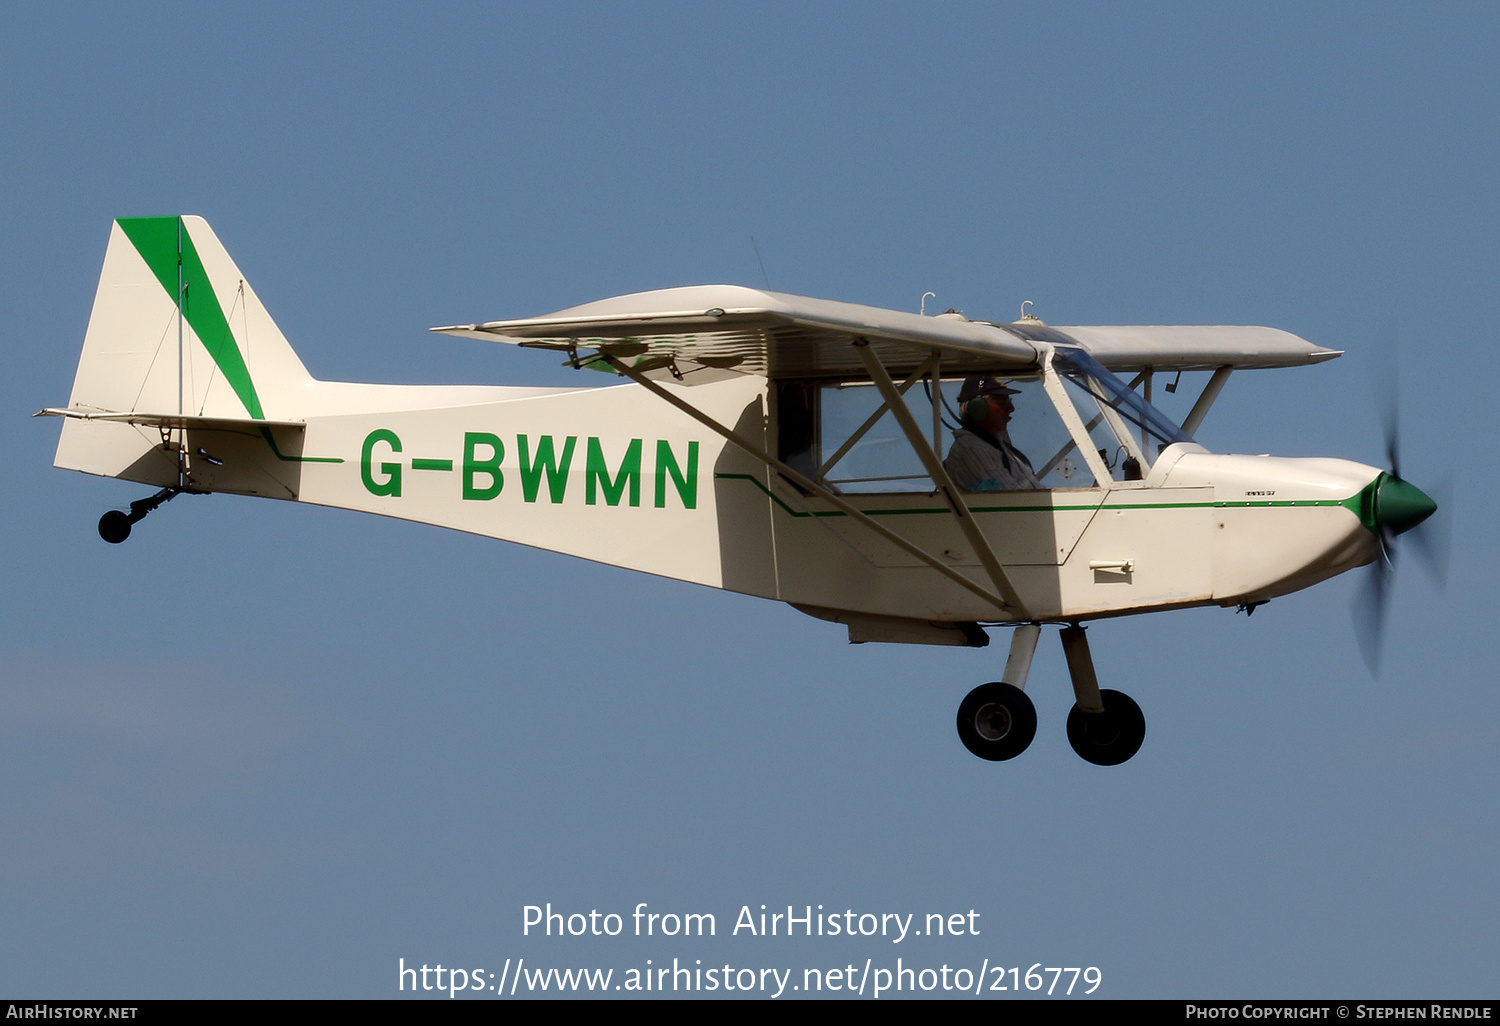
{"x":1391,"y":506}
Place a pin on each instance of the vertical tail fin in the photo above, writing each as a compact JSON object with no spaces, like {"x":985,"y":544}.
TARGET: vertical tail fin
{"x":175,"y":329}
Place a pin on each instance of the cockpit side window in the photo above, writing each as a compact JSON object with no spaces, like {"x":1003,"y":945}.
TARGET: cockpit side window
{"x":1016,"y":416}
{"x":839,"y":434}
{"x":862,"y":447}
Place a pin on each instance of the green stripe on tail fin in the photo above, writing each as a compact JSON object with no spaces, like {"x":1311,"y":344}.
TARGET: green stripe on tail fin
{"x":167,"y":248}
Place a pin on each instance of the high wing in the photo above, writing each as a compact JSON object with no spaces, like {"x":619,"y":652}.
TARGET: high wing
{"x":707,"y":332}
{"x":1189,"y":347}
{"x":734,"y":329}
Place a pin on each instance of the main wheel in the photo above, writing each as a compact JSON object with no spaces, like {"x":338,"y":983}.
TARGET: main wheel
{"x":996,"y":721}
{"x":114,"y":527}
{"x":1110,"y":737}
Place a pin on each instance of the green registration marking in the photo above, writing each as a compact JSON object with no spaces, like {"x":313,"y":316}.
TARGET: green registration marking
{"x":487,"y":467}
{"x":484,"y":478}
{"x":598,"y":477}
{"x":391,"y":484}
{"x":555,"y":468}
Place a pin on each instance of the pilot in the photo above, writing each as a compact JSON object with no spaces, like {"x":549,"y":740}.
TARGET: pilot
{"x":982,"y":458}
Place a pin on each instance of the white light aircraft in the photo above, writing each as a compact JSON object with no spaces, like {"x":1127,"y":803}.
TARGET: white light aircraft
{"x":796,"y":449}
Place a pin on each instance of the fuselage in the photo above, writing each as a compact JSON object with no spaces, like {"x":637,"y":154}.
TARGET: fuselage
{"x":1201,"y":529}
{"x":617,"y":476}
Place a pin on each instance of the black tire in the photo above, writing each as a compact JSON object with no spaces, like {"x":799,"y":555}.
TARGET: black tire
{"x":996,"y":721}
{"x":114,"y":527}
{"x":1111,"y":737}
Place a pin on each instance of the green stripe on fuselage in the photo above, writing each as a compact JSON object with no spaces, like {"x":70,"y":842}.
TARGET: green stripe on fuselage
{"x":1350,"y":503}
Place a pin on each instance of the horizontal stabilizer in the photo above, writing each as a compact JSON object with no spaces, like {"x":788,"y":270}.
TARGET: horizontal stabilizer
{"x":175,"y":421}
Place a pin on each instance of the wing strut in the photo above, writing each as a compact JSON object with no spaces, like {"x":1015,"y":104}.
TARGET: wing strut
{"x":808,"y":485}
{"x":1205,"y":400}
{"x":939,"y":475}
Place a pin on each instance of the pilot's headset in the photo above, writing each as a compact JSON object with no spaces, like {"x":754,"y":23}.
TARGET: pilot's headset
{"x":977,"y":408}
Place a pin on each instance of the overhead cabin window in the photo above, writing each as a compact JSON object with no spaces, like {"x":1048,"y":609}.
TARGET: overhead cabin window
{"x":1004,"y":435}
{"x":1128,"y":433}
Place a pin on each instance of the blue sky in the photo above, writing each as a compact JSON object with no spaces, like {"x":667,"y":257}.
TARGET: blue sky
{"x":268,"y":750}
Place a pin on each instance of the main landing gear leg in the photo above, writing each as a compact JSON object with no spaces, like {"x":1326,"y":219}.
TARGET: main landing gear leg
{"x":114,"y":526}
{"x":997,"y":721}
{"x":1104,"y":727}
{"x":1022,"y":648}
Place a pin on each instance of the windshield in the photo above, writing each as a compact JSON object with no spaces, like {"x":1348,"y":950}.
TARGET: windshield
{"x":1129,"y":432}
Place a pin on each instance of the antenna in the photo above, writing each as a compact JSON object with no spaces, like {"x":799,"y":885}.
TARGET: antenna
{"x":762,"y":263}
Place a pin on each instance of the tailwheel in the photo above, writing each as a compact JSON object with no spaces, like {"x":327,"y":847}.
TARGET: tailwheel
{"x":114,"y":526}
{"x":1110,"y":737}
{"x":996,"y":721}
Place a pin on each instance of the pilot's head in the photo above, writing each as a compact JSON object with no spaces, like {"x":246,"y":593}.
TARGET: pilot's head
{"x":984,"y":400}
